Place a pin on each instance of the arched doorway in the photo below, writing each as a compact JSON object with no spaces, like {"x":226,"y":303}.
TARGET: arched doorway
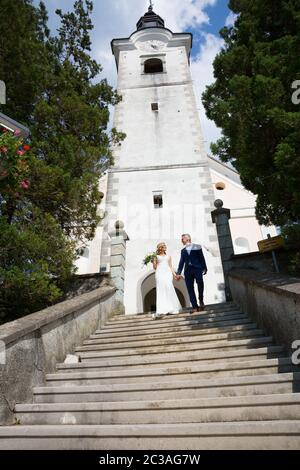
{"x":147,"y":293}
{"x":150,"y":300}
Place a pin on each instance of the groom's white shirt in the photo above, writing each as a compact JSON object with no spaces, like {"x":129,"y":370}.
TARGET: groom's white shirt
{"x":193,"y":246}
{"x":189,"y":248}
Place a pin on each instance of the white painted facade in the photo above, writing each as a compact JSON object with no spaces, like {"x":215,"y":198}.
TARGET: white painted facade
{"x":245,"y":229}
{"x":164,"y":154}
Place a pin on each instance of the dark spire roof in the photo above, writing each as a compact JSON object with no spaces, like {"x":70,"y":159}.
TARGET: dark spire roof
{"x":150,"y":20}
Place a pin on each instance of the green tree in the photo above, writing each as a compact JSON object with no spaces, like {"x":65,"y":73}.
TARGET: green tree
{"x":23,"y":58}
{"x":36,"y":261}
{"x":49,"y":195}
{"x":251,"y":101}
{"x":291,"y":237}
{"x":36,"y":257}
{"x":70,"y":131}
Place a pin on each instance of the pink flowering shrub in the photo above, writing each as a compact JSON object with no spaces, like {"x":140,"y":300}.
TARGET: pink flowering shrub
{"x":14,"y":167}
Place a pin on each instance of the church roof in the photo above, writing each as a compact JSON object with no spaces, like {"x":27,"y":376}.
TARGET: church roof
{"x":12,"y":125}
{"x":150,"y":20}
{"x":224,"y":169}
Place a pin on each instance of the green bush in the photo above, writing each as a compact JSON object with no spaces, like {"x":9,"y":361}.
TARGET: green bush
{"x":36,"y":262}
{"x":49,"y":190}
{"x":291,"y":235}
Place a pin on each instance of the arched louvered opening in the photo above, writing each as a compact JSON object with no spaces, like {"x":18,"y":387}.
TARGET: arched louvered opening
{"x":153,"y":66}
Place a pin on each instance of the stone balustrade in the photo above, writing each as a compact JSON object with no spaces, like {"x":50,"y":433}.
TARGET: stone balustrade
{"x":272,"y":300}
{"x":31,"y":346}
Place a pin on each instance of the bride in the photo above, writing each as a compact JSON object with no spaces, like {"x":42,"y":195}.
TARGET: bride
{"x":166,"y":297}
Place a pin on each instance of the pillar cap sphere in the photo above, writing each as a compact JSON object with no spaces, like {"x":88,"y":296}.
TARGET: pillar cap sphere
{"x":119,"y":224}
{"x":218,"y":203}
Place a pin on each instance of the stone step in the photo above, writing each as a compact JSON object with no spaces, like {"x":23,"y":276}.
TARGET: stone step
{"x":234,"y":325}
{"x":196,"y":388}
{"x":154,"y":329}
{"x":178,"y":359}
{"x":186,"y":310}
{"x":203,"y":410}
{"x":169,"y":321}
{"x":266,"y":435}
{"x":213,"y":308}
{"x":210,"y":308}
{"x":171,"y":341}
{"x":220,"y":369}
{"x":222,"y":345}
{"x":172,"y":320}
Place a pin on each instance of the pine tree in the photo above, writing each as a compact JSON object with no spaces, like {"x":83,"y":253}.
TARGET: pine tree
{"x":49,"y":193}
{"x":70,"y":129}
{"x":251,"y":101}
{"x":23,"y":59}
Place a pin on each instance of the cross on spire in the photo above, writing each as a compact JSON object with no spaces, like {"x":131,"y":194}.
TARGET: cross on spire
{"x":151,"y":5}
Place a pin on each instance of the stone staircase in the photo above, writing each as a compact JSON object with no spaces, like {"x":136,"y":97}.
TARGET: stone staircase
{"x":212,"y":380}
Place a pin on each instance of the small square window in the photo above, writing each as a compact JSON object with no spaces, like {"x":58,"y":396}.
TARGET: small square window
{"x":154,"y":106}
{"x":158,"y":200}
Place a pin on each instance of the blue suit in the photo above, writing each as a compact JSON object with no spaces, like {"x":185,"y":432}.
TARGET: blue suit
{"x":194,"y":264}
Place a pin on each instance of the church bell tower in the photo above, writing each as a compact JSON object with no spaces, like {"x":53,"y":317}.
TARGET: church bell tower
{"x":160,"y":185}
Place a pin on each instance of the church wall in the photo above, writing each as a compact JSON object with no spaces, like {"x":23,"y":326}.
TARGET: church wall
{"x":245,"y":229}
{"x":186,"y":209}
{"x":131,"y":73}
{"x":90,"y":261}
{"x":170,"y":135}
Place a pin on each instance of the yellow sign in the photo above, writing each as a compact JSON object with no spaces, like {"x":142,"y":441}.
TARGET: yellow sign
{"x":270,"y":244}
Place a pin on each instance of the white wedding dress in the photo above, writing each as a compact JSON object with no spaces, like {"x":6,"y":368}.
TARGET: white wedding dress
{"x":166,"y":297}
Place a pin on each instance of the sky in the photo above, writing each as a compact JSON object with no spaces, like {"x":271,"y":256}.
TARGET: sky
{"x":118,"y":18}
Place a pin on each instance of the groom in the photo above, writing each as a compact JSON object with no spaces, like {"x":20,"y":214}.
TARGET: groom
{"x":195,"y":266}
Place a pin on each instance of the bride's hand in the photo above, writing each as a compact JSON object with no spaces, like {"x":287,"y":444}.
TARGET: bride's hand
{"x":154,"y":263}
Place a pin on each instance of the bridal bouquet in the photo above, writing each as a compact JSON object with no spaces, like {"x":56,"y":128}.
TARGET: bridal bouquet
{"x":149,"y":258}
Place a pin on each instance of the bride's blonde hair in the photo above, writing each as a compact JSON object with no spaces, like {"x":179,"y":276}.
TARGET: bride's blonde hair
{"x":159,"y":248}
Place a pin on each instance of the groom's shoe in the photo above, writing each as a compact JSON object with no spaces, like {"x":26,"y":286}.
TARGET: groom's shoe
{"x":201,"y":308}
{"x":195,"y":310}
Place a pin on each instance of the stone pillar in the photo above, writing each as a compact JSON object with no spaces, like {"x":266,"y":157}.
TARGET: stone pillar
{"x":117,"y":263}
{"x":220,"y":217}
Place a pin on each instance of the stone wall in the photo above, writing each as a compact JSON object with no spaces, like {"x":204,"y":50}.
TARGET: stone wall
{"x":31,"y":346}
{"x":271,"y":300}
{"x":82,"y":283}
{"x":263,"y":261}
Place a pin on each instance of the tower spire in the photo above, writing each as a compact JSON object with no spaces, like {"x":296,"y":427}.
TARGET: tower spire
{"x":150,"y":19}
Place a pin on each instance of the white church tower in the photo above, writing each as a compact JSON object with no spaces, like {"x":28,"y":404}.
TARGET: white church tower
{"x":160,"y":185}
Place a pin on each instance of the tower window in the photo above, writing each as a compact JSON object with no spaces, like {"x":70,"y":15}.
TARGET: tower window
{"x":153,"y":66}
{"x":220,"y":186}
{"x":158,"y":200}
{"x":86,"y":253}
{"x":154,"y":106}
